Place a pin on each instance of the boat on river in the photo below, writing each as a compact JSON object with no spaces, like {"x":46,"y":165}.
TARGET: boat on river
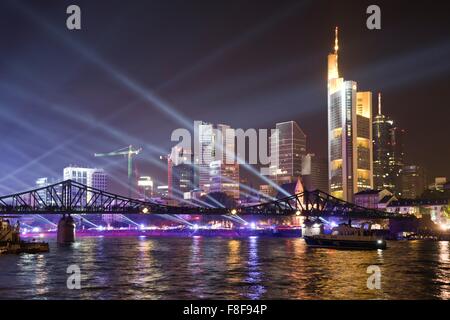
{"x":10,"y":241}
{"x":345,"y":236}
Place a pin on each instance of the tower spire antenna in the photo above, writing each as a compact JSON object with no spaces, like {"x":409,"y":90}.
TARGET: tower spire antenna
{"x":336,"y":40}
{"x":379,"y":103}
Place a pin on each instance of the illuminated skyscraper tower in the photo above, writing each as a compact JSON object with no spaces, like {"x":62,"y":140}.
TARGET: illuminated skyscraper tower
{"x":288,"y":148}
{"x":215,"y":158}
{"x":181,"y":177}
{"x":382,"y":148}
{"x":388,"y":153}
{"x":397,"y":158}
{"x":349,"y":133}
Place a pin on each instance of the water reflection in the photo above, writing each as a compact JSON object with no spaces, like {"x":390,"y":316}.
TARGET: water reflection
{"x":41,"y":275}
{"x":221,"y":268}
{"x":91,"y":255}
{"x":234,"y":272}
{"x":195,"y":267}
{"x":234,"y":256}
{"x":147,"y":273}
{"x":254,"y":276}
{"x":196,"y":256}
{"x":443,"y":274}
{"x":35,"y":267}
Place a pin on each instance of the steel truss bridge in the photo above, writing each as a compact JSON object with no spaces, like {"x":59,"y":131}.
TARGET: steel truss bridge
{"x":70,"y":197}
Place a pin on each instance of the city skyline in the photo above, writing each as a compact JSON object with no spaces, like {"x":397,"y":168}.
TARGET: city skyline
{"x":54,"y":138}
{"x":234,"y":152}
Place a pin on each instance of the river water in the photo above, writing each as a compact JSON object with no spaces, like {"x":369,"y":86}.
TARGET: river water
{"x":221,"y":268}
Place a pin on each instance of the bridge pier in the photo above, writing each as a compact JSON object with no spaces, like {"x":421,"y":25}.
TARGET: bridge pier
{"x":66,"y":230}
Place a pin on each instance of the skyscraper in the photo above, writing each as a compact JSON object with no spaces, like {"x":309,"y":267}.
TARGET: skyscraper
{"x":382,"y":151}
{"x":215,"y":159}
{"x":203,"y":154}
{"x":315,"y":173}
{"x":91,"y":177}
{"x":145,"y":186}
{"x":45,"y":197}
{"x":225,"y":178}
{"x":349,"y":133}
{"x":287,"y":148}
{"x":413,"y":181}
{"x":397,"y":158}
{"x":181,"y":172}
{"x":388,"y":156}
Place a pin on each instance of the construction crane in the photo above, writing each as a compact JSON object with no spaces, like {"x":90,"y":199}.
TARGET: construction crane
{"x":127,"y":151}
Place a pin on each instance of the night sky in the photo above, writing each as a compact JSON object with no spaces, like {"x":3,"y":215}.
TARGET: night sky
{"x":140,"y":69}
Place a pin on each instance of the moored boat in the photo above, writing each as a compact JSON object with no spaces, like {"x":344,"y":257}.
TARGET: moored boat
{"x":345,"y":236}
{"x":10,"y":240}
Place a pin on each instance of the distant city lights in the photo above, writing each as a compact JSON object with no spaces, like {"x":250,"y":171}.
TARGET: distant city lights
{"x":445,"y":226}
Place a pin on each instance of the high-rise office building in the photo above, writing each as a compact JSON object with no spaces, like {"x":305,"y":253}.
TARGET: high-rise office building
{"x":145,"y":186}
{"x":397,"y":158}
{"x":91,"y":177}
{"x":182,"y":178}
{"x":388,"y":155}
{"x":181,"y":172}
{"x":217,"y":169}
{"x":44,"y":196}
{"x":225,"y":178}
{"x":382,"y":151}
{"x":438,"y":184}
{"x":203,"y":154}
{"x":349,"y":133}
{"x":413,"y":181}
{"x":315,"y":173}
{"x":99,"y":180}
{"x":287,"y":149}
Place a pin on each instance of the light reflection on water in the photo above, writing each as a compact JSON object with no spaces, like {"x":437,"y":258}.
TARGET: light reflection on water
{"x":254,"y":274}
{"x":220,"y":268}
{"x":443,"y":274}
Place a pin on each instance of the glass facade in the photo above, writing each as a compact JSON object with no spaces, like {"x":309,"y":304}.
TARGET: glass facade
{"x":413,"y":181}
{"x":215,"y":158}
{"x":349,"y":135}
{"x":181,"y":174}
{"x":382,"y":151}
{"x":288,"y":148}
{"x":388,"y":156}
{"x":397,"y":158}
{"x":91,"y":177}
